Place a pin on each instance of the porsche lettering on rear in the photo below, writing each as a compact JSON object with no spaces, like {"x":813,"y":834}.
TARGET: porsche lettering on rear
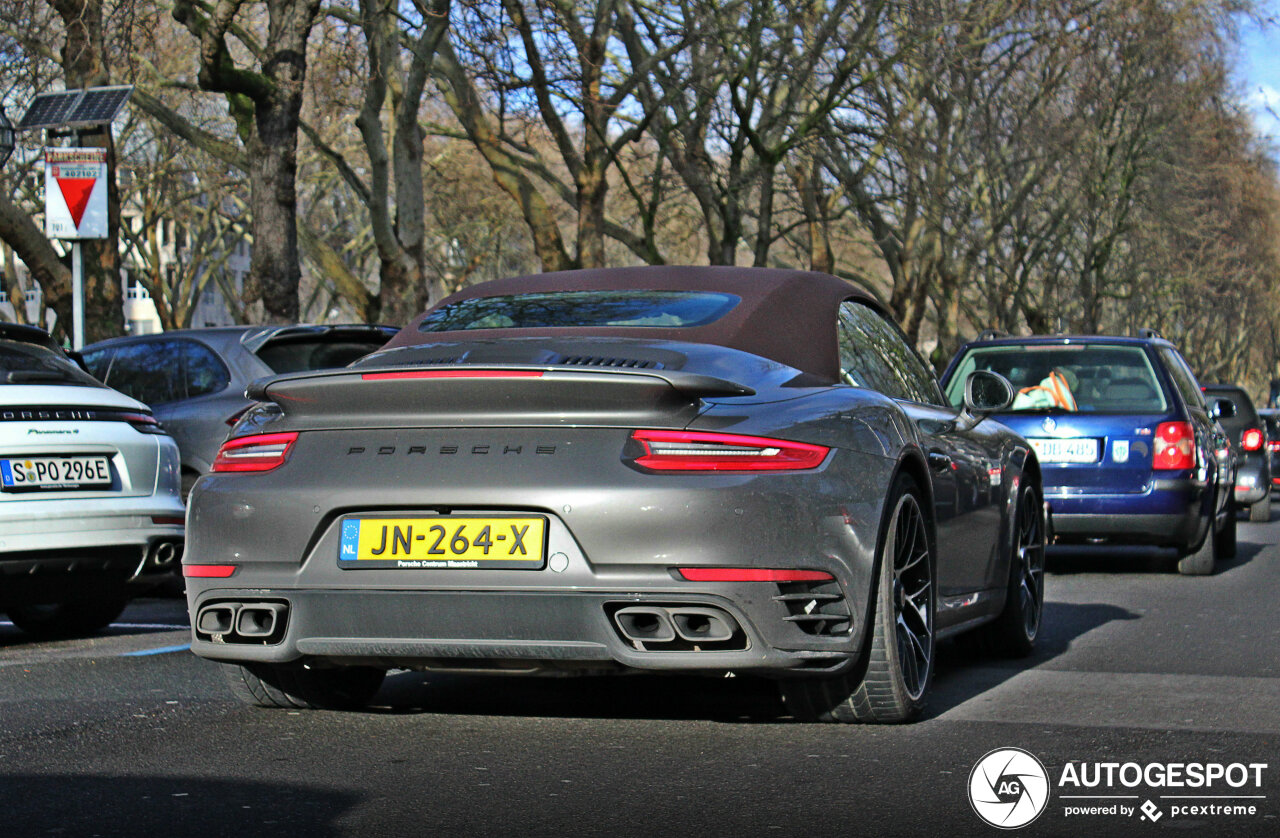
{"x":453,"y":450}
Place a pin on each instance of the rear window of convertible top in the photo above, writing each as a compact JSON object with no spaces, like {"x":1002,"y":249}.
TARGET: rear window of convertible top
{"x":664,"y":309}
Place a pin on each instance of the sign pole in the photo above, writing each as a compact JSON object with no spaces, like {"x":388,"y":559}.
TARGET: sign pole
{"x":77,"y":296}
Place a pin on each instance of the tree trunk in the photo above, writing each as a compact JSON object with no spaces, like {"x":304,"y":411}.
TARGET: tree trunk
{"x":266,"y":106}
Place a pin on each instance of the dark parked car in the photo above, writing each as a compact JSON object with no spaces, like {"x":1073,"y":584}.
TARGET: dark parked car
{"x":699,"y":470}
{"x":1131,"y":453}
{"x":1248,"y":434}
{"x":194,"y":379}
{"x":1271,"y":421}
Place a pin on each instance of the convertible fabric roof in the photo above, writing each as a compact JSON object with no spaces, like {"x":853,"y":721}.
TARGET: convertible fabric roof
{"x":786,"y":316}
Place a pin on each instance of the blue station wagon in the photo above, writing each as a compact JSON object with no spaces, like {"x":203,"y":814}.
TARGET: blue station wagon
{"x":1130,"y":451}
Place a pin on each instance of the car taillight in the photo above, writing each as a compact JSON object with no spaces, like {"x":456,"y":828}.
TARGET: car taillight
{"x":1175,"y":446}
{"x":208,"y":571}
{"x":254,"y":453}
{"x":1251,"y":440}
{"x":751,"y":574}
{"x":1273,"y":446}
{"x":143,"y":423}
{"x":704,"y":451}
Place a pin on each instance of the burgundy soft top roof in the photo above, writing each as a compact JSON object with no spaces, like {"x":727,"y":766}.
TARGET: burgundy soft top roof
{"x":786,"y":316}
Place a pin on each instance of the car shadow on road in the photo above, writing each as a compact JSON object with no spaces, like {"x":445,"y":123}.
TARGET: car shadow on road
{"x":642,"y":696}
{"x":1138,"y":560}
{"x":962,"y":674}
{"x":140,"y":806}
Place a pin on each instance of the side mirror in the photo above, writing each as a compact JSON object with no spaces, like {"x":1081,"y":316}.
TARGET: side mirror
{"x":1223,"y":409}
{"x":987,"y":392}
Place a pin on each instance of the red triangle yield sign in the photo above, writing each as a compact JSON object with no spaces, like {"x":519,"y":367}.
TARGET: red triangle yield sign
{"x":76,"y":192}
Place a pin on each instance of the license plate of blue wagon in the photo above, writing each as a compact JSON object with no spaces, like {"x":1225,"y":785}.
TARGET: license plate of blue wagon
{"x":1080,"y":450}
{"x":444,"y":542}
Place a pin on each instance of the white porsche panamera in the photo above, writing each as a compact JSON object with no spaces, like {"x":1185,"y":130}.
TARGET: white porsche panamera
{"x":90,"y":511}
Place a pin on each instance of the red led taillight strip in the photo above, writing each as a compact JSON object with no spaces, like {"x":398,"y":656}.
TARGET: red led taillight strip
{"x":751,"y":574}
{"x":706,"y":451}
{"x":400,"y":374}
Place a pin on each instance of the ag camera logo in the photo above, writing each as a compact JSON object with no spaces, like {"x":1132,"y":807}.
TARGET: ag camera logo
{"x":1009,"y":788}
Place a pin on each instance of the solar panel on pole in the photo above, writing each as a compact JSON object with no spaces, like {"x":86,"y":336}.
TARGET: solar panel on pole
{"x":75,"y":108}
{"x":49,"y":109}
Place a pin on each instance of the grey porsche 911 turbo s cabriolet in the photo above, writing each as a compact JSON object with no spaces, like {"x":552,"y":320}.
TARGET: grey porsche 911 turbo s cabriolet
{"x":666,"y":469}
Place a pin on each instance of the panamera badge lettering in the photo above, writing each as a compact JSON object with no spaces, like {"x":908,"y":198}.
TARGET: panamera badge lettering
{"x":1009,"y":788}
{"x":1048,"y":424}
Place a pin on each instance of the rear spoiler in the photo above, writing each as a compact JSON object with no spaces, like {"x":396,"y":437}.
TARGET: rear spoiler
{"x":690,"y":384}
{"x":505,"y":394}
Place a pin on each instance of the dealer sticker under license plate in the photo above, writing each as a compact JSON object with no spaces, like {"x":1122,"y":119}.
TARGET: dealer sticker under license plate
{"x":30,"y":474}
{"x":490,"y":543}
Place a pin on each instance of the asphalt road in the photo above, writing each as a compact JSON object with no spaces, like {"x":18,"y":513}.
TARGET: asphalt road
{"x":128,"y":734}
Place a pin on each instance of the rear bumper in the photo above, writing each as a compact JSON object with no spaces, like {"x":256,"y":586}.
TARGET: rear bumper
{"x":613,"y":537}
{"x":68,"y":525}
{"x":1253,"y":482}
{"x":54,"y":550}
{"x":1170,"y":513}
{"x":534,"y":631}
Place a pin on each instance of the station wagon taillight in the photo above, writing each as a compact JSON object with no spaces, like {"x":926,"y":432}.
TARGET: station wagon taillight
{"x":1251,"y":440}
{"x":704,"y":451}
{"x":1175,"y":446}
{"x":262,"y":452}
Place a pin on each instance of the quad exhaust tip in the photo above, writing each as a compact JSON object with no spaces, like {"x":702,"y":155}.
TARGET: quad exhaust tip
{"x":702,"y":625}
{"x":646,"y":625}
{"x":678,"y":628}
{"x":242,"y":622}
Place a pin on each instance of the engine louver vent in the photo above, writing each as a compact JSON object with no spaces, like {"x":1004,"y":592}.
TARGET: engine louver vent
{"x":598,"y":361}
{"x":816,"y":607}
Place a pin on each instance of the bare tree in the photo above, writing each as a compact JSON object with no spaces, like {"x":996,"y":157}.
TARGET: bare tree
{"x":265,"y":103}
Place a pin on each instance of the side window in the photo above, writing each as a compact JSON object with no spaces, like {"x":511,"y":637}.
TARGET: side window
{"x":148,"y":371}
{"x":204,"y":371}
{"x":875,"y":354}
{"x":98,"y":361}
{"x":1192,"y":396}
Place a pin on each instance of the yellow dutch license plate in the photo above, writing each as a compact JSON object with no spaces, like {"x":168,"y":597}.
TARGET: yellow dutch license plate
{"x":489,"y":543}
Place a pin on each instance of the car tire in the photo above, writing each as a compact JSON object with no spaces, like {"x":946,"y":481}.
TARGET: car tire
{"x":899,"y":659}
{"x":1260,"y":512}
{"x":1227,"y":535}
{"x":300,"y":687}
{"x":1200,"y":562}
{"x":1013,"y":634}
{"x":74,"y":618}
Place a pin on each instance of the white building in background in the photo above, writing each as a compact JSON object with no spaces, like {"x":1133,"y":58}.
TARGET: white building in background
{"x":140,"y":315}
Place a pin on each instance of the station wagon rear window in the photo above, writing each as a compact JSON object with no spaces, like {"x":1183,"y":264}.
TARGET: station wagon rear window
{"x":1095,"y":378}
{"x":654,"y":309}
{"x":26,"y":363}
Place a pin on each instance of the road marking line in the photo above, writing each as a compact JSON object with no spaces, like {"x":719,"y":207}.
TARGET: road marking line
{"x":163,"y":650}
{"x":169,"y":626}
